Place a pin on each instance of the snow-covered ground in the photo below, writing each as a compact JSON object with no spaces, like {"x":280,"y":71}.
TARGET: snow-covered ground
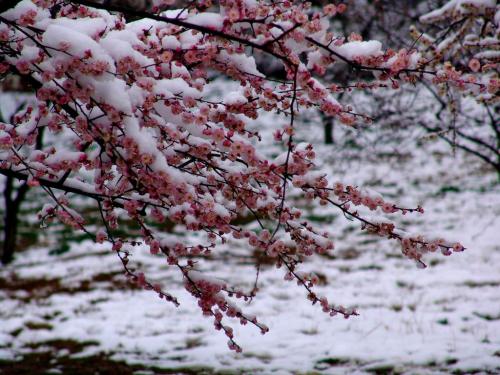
{"x":443,"y":319}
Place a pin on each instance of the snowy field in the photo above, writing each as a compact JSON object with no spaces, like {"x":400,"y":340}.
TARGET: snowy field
{"x":78,"y":308}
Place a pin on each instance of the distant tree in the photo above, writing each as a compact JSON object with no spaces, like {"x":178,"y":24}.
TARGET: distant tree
{"x":465,"y":35}
{"x":126,"y":90}
{"x":458,"y":32}
{"x":14,"y":191}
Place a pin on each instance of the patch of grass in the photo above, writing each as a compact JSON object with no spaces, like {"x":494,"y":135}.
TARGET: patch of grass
{"x":487,"y":317}
{"x":432,"y":363}
{"x":486,"y":340}
{"x":481,"y":284}
{"x":443,"y":321}
{"x":322,"y":218}
{"x":106,"y":276}
{"x":98,"y":300}
{"x":322,"y":278}
{"x":404,"y":284}
{"x":52,"y":315}
{"x":38,"y":325}
{"x":448,"y":189}
{"x":42,"y":288}
{"x":102,"y":364}
{"x":27,"y":237}
{"x":333,"y":361}
{"x":46,"y":358}
{"x":64,"y":248}
{"x":434,"y":262}
{"x":371,"y":267}
{"x":396,"y":307}
{"x":196,"y":329}
{"x":383,"y":370}
{"x":262,"y":259}
{"x":368,"y":241}
{"x":393,"y":255}
{"x":72,"y":346}
{"x":264,"y":357}
{"x":194,"y":342}
{"x":36,"y":288}
{"x":309,"y":332}
{"x":348,"y":254}
{"x":344,"y":269}
{"x":16,"y":332}
{"x":191,"y":342}
{"x":470,"y":371}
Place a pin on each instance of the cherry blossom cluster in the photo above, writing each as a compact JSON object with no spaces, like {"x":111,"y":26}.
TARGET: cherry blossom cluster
{"x":317,"y":187}
{"x":138,"y":133}
{"x":213,"y":303}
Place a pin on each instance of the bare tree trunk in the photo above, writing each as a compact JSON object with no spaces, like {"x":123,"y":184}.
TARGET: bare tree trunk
{"x":12,"y":206}
{"x":11,"y":218}
{"x":328,"y":130}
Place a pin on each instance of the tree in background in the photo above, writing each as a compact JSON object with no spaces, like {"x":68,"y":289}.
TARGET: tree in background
{"x":454,"y":32}
{"x":466,"y":37}
{"x":14,"y":191}
{"x":123,"y":96}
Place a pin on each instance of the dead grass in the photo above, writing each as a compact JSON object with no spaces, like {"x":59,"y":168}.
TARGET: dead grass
{"x":47,"y":362}
{"x":28,"y":289}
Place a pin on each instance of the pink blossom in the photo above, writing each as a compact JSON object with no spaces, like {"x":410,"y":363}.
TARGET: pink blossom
{"x":474,"y":65}
{"x":100,"y":236}
{"x":330,"y":9}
